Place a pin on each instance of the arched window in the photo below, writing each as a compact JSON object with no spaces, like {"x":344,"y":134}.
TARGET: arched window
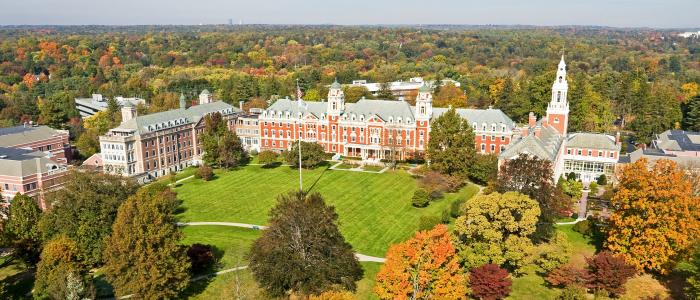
{"x":558,"y":96}
{"x":422,"y":110}
{"x":560,"y":79}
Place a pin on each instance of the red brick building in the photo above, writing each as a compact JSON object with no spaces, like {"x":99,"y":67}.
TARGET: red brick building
{"x":53,"y":142}
{"x":373,"y":129}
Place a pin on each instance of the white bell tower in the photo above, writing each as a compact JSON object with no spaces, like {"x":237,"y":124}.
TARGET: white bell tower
{"x":336,"y":99}
{"x":558,"y":108}
{"x":424,"y":103}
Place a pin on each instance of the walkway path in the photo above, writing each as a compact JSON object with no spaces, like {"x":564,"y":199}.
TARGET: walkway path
{"x":582,"y":204}
{"x":356,"y":169}
{"x":360,"y":257}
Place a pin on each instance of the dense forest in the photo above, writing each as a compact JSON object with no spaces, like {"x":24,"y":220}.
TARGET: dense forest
{"x":641,"y":80}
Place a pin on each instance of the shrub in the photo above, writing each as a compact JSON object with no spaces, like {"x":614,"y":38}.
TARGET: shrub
{"x":253,"y":152}
{"x":455,"y":210}
{"x":593,"y":187}
{"x":583,"y":227}
{"x":572,"y":292}
{"x":435,"y":195}
{"x":609,"y":272}
{"x":434,"y":181}
{"x":567,"y":275}
{"x":205,"y":172}
{"x":201,"y":256}
{"x":490,"y":282}
{"x":420,"y":198}
{"x":484,"y":169}
{"x":554,"y":253}
{"x":445,"y":217}
{"x":427,"y":222}
{"x":602,"y":180}
{"x":267,"y":157}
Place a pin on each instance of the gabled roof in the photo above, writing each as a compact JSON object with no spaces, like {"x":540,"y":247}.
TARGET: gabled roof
{"x":546,"y":146}
{"x":291,"y":106}
{"x":140,"y":124}
{"x":383,"y":109}
{"x":592,"y":141}
{"x":479,"y":116}
{"x":678,"y":140}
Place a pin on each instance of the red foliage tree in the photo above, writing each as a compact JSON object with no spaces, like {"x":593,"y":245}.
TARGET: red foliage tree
{"x":609,"y":272}
{"x":567,"y":275}
{"x":490,"y":282}
{"x":201,"y":256}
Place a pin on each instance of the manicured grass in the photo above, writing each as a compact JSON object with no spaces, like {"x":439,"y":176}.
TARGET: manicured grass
{"x":583,"y":247}
{"x":374,"y":209}
{"x":531,"y":286}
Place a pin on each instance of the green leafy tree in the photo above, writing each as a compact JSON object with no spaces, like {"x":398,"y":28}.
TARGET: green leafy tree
{"x":484,"y":168}
{"x":143,"y":255}
{"x":532,"y":176}
{"x":451,"y":146}
{"x":20,"y":232}
{"x":221,"y":146}
{"x":691,"y":269}
{"x":495,"y":228}
{"x":85,"y":209}
{"x":302,"y":251}
{"x":61,"y":274}
{"x":355,"y":93}
{"x":385,"y":92}
{"x":311,"y":155}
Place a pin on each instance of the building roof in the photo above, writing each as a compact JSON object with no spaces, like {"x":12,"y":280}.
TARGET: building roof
{"x":479,"y":116}
{"x":391,"y":109}
{"x":652,"y":155}
{"x":175,"y":117}
{"x":23,"y":162}
{"x":592,"y":141}
{"x":546,"y":146}
{"x":19,"y":135}
{"x":677,"y":140}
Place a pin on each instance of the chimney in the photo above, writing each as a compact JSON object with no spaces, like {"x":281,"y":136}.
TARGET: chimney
{"x":128,"y":112}
{"x":617,"y":138}
{"x":240,"y":105}
{"x":531,"y":120}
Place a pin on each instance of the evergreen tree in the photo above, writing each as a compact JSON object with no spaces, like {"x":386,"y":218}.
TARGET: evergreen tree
{"x":221,"y":146}
{"x":451,"y":146}
{"x":302,"y":251}
{"x":20,"y":231}
{"x":143,"y":255}
{"x":691,"y":118}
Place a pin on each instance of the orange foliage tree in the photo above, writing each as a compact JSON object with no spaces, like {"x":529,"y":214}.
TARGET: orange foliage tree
{"x":450,"y":94}
{"x":655,"y":216}
{"x":423,"y":267}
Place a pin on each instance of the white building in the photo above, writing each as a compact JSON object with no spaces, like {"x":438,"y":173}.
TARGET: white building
{"x":401,"y":88}
{"x":89,"y":106}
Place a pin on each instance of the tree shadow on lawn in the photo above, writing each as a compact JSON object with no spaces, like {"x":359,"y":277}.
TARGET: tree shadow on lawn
{"x":273,"y":165}
{"x":19,"y":286}
{"x":204,"y":277}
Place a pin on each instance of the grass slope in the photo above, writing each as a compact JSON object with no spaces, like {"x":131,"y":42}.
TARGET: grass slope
{"x":374,"y":209}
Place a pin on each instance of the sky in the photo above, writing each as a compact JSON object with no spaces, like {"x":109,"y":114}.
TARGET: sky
{"x":616,"y":13}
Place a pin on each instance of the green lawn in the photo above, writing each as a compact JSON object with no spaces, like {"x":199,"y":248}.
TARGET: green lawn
{"x":374,"y":209}
{"x":232,"y":243}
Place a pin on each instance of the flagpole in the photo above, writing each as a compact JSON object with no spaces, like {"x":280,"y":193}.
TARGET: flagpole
{"x":301,"y":182}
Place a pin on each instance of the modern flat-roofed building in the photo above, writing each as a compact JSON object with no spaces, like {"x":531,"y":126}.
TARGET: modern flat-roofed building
{"x":157,"y":144}
{"x":54,"y":142}
{"x":28,"y":172}
{"x":90,"y":106}
{"x":402,"y":88}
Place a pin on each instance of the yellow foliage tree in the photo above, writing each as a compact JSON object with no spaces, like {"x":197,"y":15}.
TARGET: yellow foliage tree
{"x":450,"y":94}
{"x":656,"y":215}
